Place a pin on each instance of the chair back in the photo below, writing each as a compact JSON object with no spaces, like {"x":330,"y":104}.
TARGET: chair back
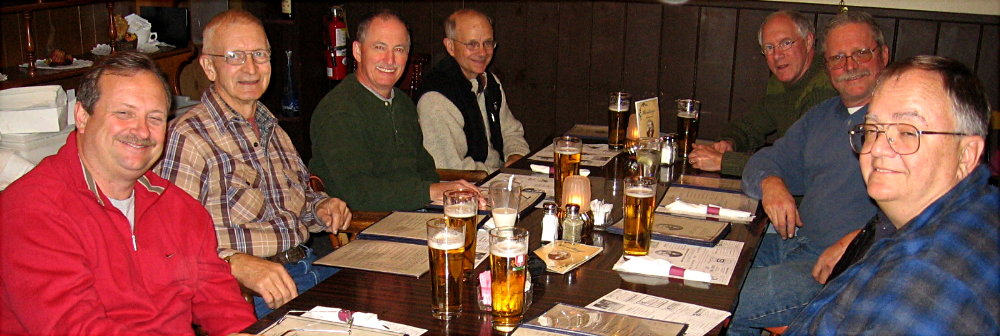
{"x":414,"y":75}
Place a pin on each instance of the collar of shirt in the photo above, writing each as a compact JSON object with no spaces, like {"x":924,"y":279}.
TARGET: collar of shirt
{"x":392,"y":93}
{"x":232,"y":121}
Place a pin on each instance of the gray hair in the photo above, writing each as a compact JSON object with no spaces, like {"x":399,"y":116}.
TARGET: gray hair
{"x":802,"y":23}
{"x":450,"y":23}
{"x":849,"y":17}
{"x":382,"y":14}
{"x":969,"y":105}
{"x":123,"y":63}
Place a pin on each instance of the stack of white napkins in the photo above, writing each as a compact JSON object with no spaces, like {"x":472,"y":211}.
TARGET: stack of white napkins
{"x":362,"y":319}
{"x":661,"y":268}
{"x":710,"y":210}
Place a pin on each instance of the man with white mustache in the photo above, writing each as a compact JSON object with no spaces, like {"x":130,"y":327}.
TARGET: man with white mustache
{"x":464,"y":115}
{"x":814,"y":159}
{"x":366,"y":139}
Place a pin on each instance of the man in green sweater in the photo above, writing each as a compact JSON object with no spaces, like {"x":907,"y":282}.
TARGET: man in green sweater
{"x":797,"y":83}
{"x":366,"y":140}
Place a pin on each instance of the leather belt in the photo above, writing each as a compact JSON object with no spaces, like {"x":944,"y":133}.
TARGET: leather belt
{"x":292,"y":255}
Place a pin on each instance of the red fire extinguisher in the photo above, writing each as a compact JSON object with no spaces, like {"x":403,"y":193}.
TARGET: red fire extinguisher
{"x":336,"y":56}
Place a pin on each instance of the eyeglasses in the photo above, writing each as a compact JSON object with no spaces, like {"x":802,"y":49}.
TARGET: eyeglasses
{"x":860,"y":56}
{"x":474,"y":45}
{"x":904,"y":139}
{"x":785,"y":44}
{"x":238,"y":57}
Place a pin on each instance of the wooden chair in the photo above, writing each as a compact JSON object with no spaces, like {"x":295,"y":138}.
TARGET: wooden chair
{"x":473,"y":176}
{"x":414,"y":75}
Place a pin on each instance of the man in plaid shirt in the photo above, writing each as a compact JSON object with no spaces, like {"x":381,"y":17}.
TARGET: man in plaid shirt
{"x":939,"y":272}
{"x":230,"y":154}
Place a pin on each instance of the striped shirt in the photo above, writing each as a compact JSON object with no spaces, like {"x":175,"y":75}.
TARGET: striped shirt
{"x":255,"y":187}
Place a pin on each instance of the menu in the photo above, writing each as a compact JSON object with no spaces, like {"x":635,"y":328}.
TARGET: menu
{"x":700,"y":320}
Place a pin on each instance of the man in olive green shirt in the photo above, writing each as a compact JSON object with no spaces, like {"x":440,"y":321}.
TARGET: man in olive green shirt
{"x":797,"y":83}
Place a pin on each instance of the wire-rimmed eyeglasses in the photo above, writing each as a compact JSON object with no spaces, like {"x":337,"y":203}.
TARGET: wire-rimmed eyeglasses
{"x":860,"y":56}
{"x":475,"y":45}
{"x":904,"y":139}
{"x":239,"y":57}
{"x":785,"y":44}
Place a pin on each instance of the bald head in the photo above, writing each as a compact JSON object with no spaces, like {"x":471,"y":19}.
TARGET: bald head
{"x":451,"y":24}
{"x":227,"y":18}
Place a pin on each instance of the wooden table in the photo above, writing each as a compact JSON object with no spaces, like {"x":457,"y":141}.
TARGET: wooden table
{"x":407,"y":300}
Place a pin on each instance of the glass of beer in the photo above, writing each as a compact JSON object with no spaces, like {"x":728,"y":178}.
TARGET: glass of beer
{"x":568,"y":151}
{"x":508,"y":268}
{"x":460,"y":209}
{"x":618,"y":108}
{"x":445,"y":248}
{"x":505,"y":200}
{"x":640,"y":201}
{"x":687,"y":125}
{"x":647,"y":155}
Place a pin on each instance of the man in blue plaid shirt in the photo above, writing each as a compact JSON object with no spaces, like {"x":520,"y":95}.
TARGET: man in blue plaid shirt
{"x":939,"y":272}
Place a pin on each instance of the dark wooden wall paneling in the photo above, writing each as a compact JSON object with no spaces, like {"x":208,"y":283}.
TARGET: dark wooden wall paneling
{"x":558,"y":60}
{"x":75,"y":29}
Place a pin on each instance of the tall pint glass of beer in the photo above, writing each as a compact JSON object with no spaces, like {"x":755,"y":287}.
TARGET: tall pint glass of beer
{"x":508,"y":267}
{"x":566,"y":160}
{"x":618,"y":114}
{"x":460,"y":209}
{"x":445,"y":247}
{"x":640,"y":201}
{"x":687,"y":125}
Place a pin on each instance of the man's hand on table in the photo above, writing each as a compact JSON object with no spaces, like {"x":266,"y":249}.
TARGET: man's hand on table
{"x":511,"y":159}
{"x":780,"y":206}
{"x":824,"y":265}
{"x":709,"y":158}
{"x":334,"y":213}
{"x":437,"y":190}
{"x":268,"y":279}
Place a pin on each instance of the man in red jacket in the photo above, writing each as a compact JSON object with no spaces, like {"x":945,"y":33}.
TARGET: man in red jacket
{"x":92,"y":242}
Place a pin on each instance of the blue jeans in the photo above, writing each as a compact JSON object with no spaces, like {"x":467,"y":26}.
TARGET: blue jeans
{"x":304,"y":273}
{"x":778,"y":285}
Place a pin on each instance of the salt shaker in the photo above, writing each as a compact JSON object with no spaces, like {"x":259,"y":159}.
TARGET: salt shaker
{"x":550,"y":222}
{"x":669,"y":154}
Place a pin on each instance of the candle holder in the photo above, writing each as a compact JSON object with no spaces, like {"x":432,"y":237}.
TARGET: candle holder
{"x":631,"y":136}
{"x":576,"y":190}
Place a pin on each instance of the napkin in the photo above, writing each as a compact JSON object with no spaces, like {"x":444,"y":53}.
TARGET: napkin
{"x":543,"y":169}
{"x":685,"y":208}
{"x":601,"y":211}
{"x":368,"y":320}
{"x":660,"y":267}
{"x":339,"y":315}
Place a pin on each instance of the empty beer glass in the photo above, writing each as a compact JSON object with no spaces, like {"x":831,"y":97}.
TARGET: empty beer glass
{"x":505,"y":200}
{"x":647,"y":155}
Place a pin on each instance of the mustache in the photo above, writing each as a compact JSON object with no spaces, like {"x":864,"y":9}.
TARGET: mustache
{"x":135,"y":140}
{"x":853,"y":74}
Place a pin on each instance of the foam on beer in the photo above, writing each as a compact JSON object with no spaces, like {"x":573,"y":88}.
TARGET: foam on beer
{"x":460,"y":210}
{"x":508,"y":249}
{"x":567,"y":150}
{"x":447,"y":240}
{"x":640,"y":192}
